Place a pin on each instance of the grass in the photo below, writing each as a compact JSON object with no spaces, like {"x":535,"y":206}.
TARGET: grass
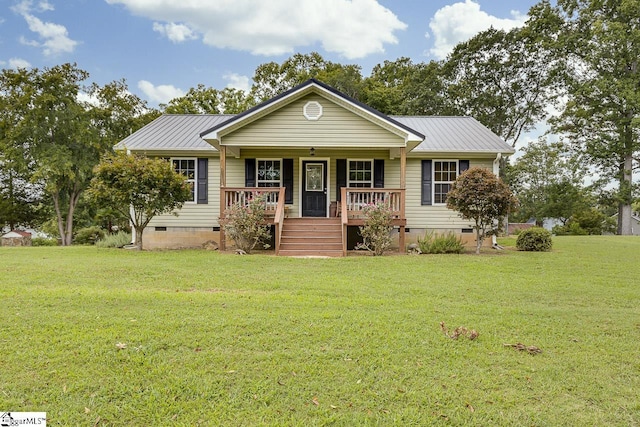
{"x":219,"y":339}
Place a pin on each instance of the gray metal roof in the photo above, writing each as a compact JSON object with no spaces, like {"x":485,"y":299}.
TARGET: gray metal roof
{"x":181,"y":132}
{"x":454,"y":135}
{"x":173,"y":132}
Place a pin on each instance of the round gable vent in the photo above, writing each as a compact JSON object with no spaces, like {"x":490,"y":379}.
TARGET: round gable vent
{"x":312,"y":110}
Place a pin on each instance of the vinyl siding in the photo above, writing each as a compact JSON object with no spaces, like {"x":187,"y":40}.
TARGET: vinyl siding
{"x":337,"y":127}
{"x":193,"y":214}
{"x":438,"y":217}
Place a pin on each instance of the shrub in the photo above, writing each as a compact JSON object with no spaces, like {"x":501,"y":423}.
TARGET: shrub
{"x":245,"y":224}
{"x":89,"y":235}
{"x":534,"y":239}
{"x":434,"y":243}
{"x":376,"y":231}
{"x":44,"y":241}
{"x":118,"y":240}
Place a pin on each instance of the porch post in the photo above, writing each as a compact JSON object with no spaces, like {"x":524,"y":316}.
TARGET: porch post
{"x":403,"y":186}
{"x":223,"y":185}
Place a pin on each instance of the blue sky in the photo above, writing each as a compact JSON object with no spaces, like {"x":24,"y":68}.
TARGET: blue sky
{"x":164,"y":47}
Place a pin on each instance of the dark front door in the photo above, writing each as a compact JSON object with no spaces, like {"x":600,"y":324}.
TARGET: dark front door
{"x":314,"y":188}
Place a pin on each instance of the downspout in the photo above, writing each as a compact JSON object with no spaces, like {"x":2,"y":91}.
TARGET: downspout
{"x":496,"y":172}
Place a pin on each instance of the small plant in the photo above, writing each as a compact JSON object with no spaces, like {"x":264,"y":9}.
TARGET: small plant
{"x":44,"y":241}
{"x":245,"y":224}
{"x":89,"y":235}
{"x":534,"y":239}
{"x":434,"y":243}
{"x":376,"y":231}
{"x":118,"y":240}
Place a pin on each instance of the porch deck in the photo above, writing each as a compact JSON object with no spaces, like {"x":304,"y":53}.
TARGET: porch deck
{"x":312,"y":239}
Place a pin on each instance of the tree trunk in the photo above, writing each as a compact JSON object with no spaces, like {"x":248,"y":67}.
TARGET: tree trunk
{"x":56,"y":205}
{"x":626,"y":184}
{"x":479,"y":239}
{"x":139,"y":231}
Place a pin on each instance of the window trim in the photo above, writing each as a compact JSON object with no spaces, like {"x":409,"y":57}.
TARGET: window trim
{"x":435,"y":182}
{"x":349,"y":181}
{"x":193,"y":181}
{"x":258,"y":160}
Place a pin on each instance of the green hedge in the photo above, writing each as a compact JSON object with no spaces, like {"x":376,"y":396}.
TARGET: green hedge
{"x":534,"y":239}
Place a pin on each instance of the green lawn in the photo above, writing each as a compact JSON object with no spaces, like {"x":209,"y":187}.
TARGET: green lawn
{"x":220,"y":339}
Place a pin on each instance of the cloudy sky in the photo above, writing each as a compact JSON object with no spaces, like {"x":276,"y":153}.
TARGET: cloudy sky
{"x":164,"y":47}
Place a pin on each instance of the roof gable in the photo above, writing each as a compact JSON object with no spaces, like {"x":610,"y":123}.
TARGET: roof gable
{"x":312,"y":86}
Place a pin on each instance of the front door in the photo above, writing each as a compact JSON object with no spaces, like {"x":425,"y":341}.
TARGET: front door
{"x":314,"y":188}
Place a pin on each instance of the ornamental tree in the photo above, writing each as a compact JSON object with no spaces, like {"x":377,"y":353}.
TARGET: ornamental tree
{"x":481,"y":196}
{"x":139,"y":188}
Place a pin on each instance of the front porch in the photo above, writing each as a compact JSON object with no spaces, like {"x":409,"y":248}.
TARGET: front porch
{"x":300,"y":235}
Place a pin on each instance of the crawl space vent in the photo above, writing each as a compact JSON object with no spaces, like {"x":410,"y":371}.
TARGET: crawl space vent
{"x":312,"y":110}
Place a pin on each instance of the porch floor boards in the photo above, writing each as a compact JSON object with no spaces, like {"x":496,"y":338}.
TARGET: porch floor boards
{"x":311,"y":237}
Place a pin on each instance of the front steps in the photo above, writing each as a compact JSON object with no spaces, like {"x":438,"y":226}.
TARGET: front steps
{"x":311,"y":237}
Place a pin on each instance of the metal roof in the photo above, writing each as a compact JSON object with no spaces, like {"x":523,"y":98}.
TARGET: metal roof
{"x":454,"y":135}
{"x":181,"y":132}
{"x":173,"y":132}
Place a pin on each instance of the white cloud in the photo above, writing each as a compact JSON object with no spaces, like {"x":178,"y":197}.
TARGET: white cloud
{"x":54,"y":38}
{"x":458,"y":22}
{"x":19,"y":63}
{"x":236,"y":81}
{"x":160,"y":94}
{"x":352,"y":28}
{"x":177,"y":33}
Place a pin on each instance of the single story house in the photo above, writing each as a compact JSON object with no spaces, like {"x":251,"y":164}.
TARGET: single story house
{"x":16,"y":238}
{"x":319,"y":156}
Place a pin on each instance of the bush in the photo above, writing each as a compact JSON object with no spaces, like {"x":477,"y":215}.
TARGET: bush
{"x":376,"y":231}
{"x":44,"y":241}
{"x":89,"y":235}
{"x":245,"y":224}
{"x":535,"y":239}
{"x":434,"y":243}
{"x":118,"y":240}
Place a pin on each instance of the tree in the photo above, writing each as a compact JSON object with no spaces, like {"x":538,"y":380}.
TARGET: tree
{"x":481,"y":196}
{"x":138,"y":188}
{"x":547,"y":179}
{"x":502,"y":79}
{"x":271,"y":79}
{"x":207,"y":100}
{"x":599,"y":41}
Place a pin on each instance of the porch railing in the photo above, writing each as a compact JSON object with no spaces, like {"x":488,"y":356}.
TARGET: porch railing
{"x":354,"y":199}
{"x":273,"y":206}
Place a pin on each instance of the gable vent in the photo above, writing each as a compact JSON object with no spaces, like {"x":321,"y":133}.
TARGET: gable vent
{"x":312,"y":110}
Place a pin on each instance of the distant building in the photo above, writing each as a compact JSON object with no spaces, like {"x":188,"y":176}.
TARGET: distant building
{"x":16,"y":238}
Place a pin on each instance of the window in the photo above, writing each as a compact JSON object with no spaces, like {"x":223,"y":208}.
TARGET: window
{"x":360,"y":174}
{"x":187,"y":167}
{"x":444,"y":174}
{"x":269,"y":173}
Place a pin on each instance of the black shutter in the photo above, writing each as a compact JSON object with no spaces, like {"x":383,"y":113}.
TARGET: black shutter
{"x":250,"y":172}
{"x":378,"y":173}
{"x":341,"y":176}
{"x":426,"y":182}
{"x":287,"y":180}
{"x":202,"y":180}
{"x":463,"y":165}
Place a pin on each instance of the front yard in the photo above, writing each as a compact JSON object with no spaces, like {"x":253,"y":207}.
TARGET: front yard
{"x":109,"y":337}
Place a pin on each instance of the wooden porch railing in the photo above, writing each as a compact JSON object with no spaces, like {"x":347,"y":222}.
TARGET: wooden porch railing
{"x":354,"y":199}
{"x":274,"y":206}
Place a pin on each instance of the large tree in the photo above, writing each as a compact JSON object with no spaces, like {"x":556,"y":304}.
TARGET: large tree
{"x":548,"y":181}
{"x":599,"y":40}
{"x":503,"y":79}
{"x":208,"y":100}
{"x":139,"y":188}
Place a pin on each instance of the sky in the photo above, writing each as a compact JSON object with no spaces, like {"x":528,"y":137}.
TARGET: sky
{"x":162,"y":48}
